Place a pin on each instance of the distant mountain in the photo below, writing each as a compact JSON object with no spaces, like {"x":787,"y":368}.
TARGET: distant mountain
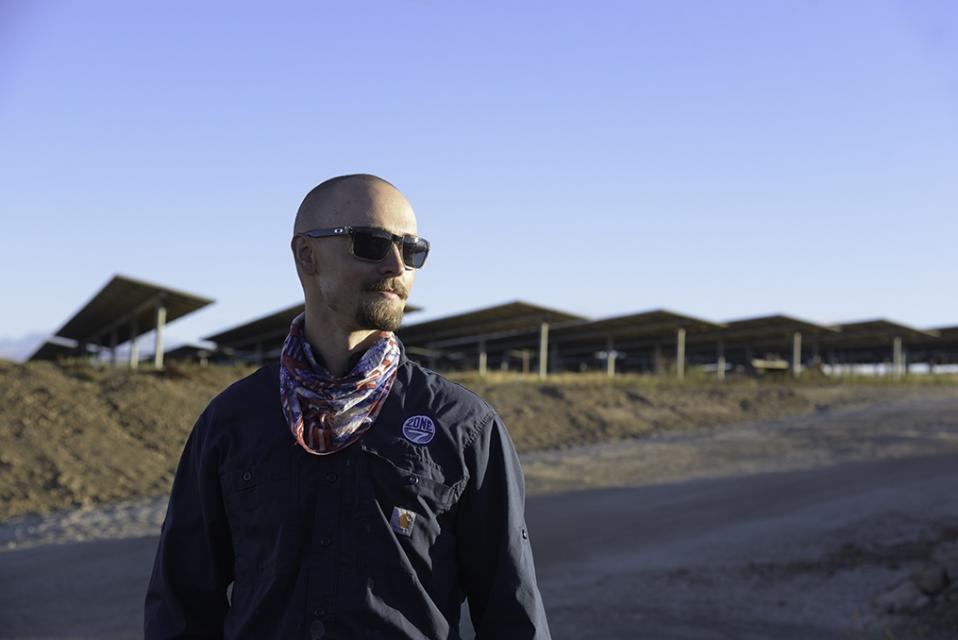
{"x":19,"y":349}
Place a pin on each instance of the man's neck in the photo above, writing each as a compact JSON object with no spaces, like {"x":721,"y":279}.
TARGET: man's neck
{"x":339,"y":348}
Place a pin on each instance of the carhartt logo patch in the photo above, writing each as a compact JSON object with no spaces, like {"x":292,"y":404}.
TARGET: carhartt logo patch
{"x":402,"y":520}
{"x":419,"y":429}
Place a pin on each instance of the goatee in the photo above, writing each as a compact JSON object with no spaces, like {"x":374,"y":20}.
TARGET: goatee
{"x":382,"y":315}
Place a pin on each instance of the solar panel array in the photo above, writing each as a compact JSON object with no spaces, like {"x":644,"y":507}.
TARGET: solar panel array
{"x":520,"y":336}
{"x":661,"y":340}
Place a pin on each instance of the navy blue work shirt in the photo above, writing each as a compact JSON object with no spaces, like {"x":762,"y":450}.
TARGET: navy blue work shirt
{"x":384,"y":539}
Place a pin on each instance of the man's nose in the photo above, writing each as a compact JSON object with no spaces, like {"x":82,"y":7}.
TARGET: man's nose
{"x":393,"y":263}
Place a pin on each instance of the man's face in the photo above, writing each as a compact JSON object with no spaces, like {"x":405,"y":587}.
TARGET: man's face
{"x":359,"y":294}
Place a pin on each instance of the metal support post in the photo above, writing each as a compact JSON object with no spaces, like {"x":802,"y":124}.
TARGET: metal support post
{"x":482,"y":357}
{"x":610,"y":357}
{"x":720,"y":361}
{"x":680,"y":354}
{"x":160,"y":325}
{"x":134,"y":350}
{"x":543,"y":350}
{"x":897,"y":356}
{"x":797,"y":354}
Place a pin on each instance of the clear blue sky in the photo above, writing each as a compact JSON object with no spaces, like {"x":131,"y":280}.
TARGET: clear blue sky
{"x":722,"y":159}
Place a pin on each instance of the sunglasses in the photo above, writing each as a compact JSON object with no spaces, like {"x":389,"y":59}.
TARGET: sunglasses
{"x":372,"y":244}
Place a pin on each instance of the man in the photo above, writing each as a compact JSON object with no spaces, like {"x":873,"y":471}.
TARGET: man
{"x":346,"y":492}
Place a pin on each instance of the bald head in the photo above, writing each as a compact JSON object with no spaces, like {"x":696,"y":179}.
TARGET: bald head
{"x":344,"y":289}
{"x":338,"y":200}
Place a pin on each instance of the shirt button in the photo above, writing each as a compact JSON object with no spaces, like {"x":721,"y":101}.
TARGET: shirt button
{"x":331,"y":477}
{"x":319,"y":612}
{"x":325,"y":542}
{"x":247,"y":476}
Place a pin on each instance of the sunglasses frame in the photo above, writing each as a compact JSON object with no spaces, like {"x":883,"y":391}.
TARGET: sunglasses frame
{"x":348,"y":231}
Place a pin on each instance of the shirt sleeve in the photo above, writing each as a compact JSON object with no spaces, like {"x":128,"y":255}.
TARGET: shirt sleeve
{"x":495,"y":556}
{"x":194,"y":560}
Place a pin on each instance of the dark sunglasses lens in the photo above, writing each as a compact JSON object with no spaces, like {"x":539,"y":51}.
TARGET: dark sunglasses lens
{"x":414,"y":252}
{"x":370,"y":246}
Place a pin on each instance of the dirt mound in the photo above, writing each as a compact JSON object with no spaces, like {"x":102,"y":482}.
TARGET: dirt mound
{"x":576,"y":411}
{"x":74,"y":435}
{"x":81,"y":435}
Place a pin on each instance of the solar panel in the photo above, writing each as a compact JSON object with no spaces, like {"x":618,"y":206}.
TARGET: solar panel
{"x":124,"y":303}
{"x":500,"y":319}
{"x":123,"y":309}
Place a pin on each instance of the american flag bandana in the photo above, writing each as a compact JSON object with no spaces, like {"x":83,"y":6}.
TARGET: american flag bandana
{"x":325,"y":413}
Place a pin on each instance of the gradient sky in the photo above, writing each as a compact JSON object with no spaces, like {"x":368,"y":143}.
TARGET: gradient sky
{"x":721,"y":159}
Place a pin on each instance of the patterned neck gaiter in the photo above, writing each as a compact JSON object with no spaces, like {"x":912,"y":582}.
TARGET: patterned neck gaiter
{"x":325,"y":413}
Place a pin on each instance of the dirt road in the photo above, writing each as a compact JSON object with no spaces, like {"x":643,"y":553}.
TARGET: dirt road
{"x":777,"y":529}
{"x":791,"y":555}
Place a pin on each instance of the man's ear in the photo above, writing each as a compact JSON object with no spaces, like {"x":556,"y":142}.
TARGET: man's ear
{"x":303,"y":255}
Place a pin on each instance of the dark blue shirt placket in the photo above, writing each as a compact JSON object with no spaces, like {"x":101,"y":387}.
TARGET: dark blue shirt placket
{"x":326,"y":546}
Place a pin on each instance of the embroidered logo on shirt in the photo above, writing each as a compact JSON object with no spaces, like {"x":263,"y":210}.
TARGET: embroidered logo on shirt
{"x":402,"y":520}
{"x":419,"y":429}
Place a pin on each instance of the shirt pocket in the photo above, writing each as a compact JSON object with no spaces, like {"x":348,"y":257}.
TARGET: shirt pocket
{"x":407,"y":513}
{"x":260,"y":501}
